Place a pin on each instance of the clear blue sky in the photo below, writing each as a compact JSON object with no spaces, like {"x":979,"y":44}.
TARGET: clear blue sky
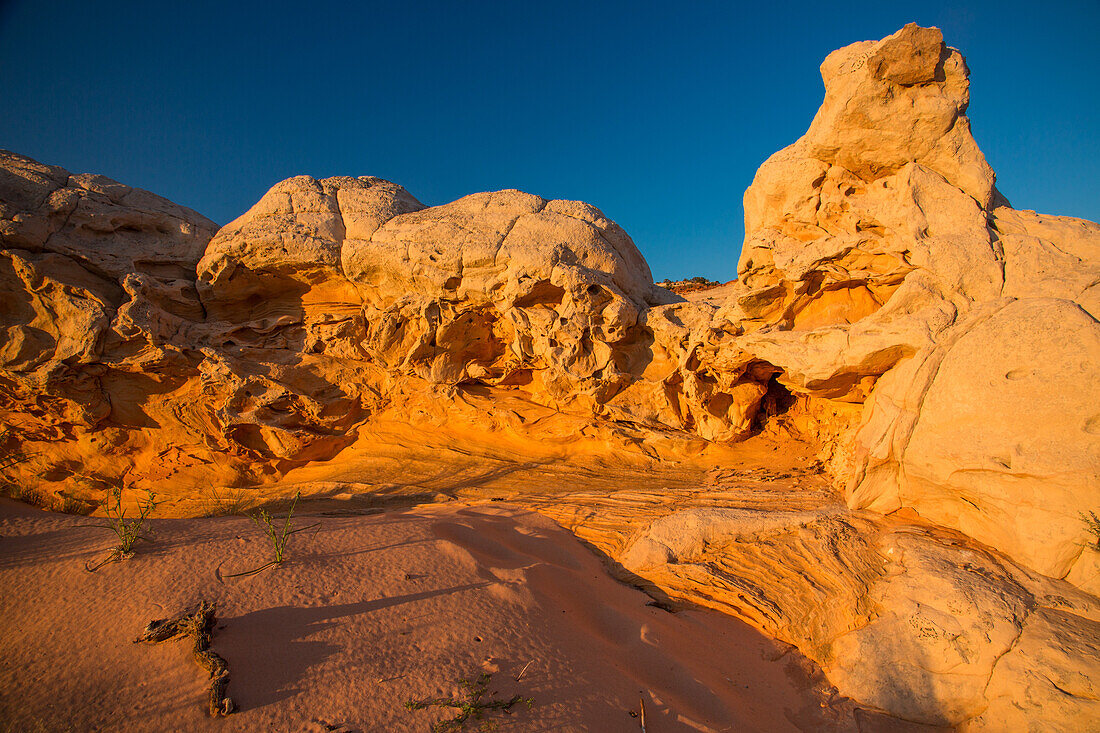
{"x":658,"y":113}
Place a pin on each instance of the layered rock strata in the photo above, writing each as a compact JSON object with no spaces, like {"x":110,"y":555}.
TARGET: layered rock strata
{"x":940,"y":348}
{"x":883,"y":266}
{"x":908,"y":617}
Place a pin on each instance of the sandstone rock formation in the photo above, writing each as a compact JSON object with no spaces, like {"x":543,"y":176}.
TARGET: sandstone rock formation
{"x":76,"y":248}
{"x":939,"y":349}
{"x":914,"y":619}
{"x":878,"y":245}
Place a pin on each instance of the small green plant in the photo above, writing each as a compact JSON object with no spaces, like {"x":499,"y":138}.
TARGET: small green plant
{"x":471,"y":707}
{"x":278,"y":536}
{"x":128,"y":531}
{"x":1092,"y":522}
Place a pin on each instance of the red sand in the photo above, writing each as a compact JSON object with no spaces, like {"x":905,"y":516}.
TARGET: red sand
{"x":366,"y":613}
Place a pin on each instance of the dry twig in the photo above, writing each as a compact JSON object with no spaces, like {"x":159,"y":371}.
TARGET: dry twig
{"x":198,"y":624}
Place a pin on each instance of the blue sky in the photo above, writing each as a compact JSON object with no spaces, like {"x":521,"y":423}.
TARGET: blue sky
{"x":658,"y":113}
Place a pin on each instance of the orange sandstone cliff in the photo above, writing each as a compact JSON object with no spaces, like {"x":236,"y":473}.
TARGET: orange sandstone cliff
{"x":937,"y":349}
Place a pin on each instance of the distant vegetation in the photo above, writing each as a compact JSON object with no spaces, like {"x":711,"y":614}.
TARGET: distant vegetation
{"x":689,"y":285}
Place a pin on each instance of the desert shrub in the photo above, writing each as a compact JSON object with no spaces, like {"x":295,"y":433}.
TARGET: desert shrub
{"x":277,"y":535}
{"x":472,"y":706}
{"x":11,"y":455}
{"x":128,"y":531}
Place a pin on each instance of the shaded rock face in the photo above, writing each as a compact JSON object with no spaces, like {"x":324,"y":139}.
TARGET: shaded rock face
{"x":913,"y":620}
{"x":941,"y":347}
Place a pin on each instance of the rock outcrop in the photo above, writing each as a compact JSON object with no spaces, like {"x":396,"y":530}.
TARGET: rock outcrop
{"x":75,"y":248}
{"x":940,"y":349}
{"x":907,"y":617}
{"x":878,"y":245}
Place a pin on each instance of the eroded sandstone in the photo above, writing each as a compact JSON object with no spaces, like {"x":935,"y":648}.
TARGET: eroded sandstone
{"x":938,"y":349}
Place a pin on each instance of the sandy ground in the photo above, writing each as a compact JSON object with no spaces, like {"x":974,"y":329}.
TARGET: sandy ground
{"x":371,"y":610}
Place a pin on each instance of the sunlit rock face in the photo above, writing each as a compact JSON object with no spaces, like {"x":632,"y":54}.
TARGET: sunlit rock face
{"x":275,"y":339}
{"x":74,"y":248}
{"x":876,"y":245}
{"x":505,"y":287}
{"x":499,"y":288}
{"x":940,"y":348}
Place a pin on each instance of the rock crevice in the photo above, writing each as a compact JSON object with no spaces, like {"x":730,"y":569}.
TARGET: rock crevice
{"x":939,"y":348}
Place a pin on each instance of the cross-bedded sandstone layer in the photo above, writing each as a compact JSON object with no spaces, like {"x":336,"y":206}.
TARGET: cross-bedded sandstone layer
{"x":939,"y":350}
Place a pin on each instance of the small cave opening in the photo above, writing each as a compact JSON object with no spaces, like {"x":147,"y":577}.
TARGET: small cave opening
{"x":777,"y":400}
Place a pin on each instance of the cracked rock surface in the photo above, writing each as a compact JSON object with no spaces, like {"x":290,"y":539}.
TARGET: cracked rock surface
{"x":923,"y":358}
